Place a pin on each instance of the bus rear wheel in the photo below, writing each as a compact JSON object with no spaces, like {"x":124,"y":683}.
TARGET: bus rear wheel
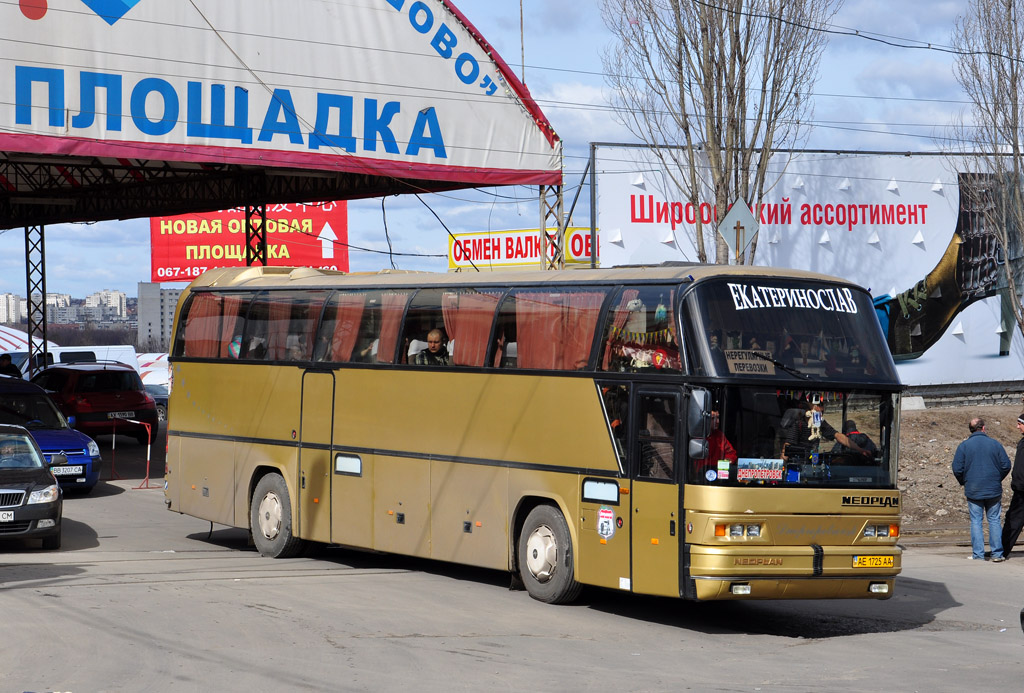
{"x":545,"y":557}
{"x":270,"y":519}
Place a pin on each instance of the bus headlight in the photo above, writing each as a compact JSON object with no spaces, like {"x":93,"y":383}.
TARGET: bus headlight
{"x":738,"y":530}
{"x":881,"y":531}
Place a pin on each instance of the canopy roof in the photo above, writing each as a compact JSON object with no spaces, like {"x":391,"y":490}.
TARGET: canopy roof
{"x":132,"y":108}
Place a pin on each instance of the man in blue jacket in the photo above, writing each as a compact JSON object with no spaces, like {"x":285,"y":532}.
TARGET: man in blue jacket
{"x":980,"y":465}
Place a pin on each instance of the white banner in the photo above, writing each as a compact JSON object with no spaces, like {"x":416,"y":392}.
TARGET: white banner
{"x":400,"y":88}
{"x":883,"y":221}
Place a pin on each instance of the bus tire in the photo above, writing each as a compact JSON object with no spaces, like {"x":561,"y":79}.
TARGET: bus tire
{"x":270,"y":519}
{"x":545,"y":557}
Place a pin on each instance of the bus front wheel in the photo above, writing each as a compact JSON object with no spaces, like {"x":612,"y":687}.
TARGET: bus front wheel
{"x":270,"y":519}
{"x":545,"y":557}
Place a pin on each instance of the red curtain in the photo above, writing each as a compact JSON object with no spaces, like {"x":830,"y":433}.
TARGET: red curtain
{"x":580,"y":317}
{"x":618,"y":320}
{"x":233,"y":309}
{"x":556,"y":331}
{"x":202,"y":327}
{"x":392,"y":308}
{"x":279,"y":312}
{"x":349,"y":314}
{"x":538,"y":329}
{"x":304,"y":318}
{"x":467,"y":320}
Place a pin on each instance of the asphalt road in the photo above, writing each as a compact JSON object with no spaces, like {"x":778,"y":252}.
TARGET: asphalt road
{"x":142,"y":599}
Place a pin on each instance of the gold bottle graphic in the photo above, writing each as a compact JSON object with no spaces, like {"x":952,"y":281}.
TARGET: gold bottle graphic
{"x":968,"y":271}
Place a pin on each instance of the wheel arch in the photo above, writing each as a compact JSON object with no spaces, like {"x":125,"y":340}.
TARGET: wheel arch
{"x":526,"y":503}
{"x":260,"y":471}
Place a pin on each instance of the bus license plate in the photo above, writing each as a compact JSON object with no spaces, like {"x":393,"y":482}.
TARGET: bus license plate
{"x":873,"y":561}
{"x":6,"y":516}
{"x":66,"y":471}
{"x":121,"y":415}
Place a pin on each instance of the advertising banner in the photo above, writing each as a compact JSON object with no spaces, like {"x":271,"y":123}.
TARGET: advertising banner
{"x":509,"y":249}
{"x":388,"y":88}
{"x":895,"y":224}
{"x":183,"y":247}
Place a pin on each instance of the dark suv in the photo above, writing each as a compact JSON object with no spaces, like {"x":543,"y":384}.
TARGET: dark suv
{"x":101,"y":397}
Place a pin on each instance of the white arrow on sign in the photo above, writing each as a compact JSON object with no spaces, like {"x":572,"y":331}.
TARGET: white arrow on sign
{"x":327,"y":238}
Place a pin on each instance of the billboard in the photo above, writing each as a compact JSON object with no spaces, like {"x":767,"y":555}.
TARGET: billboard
{"x":183,"y":247}
{"x":892,"y":223}
{"x":508,"y":249}
{"x":392,"y":88}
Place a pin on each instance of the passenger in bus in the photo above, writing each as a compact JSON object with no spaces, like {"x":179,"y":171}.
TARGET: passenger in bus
{"x":864,"y":445}
{"x":790,"y":352}
{"x":435,"y":354}
{"x":803,"y":428}
{"x":719,"y":450}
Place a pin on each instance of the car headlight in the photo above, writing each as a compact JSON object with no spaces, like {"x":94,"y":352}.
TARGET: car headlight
{"x":45,"y":495}
{"x":94,"y":449}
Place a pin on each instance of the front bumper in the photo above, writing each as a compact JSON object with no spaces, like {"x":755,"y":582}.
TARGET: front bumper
{"x":791,"y":572}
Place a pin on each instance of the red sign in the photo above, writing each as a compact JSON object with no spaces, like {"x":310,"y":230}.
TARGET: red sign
{"x":298,"y":235}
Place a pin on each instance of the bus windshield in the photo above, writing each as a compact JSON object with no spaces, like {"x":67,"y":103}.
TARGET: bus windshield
{"x":799,"y":438}
{"x":786,"y":329}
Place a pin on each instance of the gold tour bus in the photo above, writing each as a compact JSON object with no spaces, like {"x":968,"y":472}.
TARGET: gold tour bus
{"x":695,"y":431}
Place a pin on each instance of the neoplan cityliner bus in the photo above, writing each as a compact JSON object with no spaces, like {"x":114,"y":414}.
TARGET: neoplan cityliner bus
{"x":570,"y":433}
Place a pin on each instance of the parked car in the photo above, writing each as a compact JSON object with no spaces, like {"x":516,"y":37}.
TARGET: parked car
{"x":31,"y":502}
{"x":101,"y":398}
{"x":159,"y":393}
{"x":25,"y":404}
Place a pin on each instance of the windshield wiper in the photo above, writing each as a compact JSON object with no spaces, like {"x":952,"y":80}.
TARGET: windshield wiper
{"x":780,"y":364}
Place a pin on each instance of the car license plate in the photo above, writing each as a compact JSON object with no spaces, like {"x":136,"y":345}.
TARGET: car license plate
{"x":873,"y":561}
{"x":66,"y":471}
{"x":121,"y":415}
{"x":6,"y":516}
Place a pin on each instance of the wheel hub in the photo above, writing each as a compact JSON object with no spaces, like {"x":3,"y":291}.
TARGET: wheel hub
{"x":270,"y":515}
{"x":542,"y":553}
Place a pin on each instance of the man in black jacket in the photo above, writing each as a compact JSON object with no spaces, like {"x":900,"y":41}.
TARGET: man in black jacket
{"x":1014,"y":521}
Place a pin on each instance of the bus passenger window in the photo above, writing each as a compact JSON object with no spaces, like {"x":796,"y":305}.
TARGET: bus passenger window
{"x":640,"y":332}
{"x":554,"y":328}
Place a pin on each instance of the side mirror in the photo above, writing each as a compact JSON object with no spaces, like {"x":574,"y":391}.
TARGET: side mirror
{"x":698,"y":414}
{"x":698,"y":449}
{"x":58,"y":460}
{"x":71,"y":421}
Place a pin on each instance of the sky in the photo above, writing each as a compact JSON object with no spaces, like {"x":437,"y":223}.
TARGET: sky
{"x":870,"y":96}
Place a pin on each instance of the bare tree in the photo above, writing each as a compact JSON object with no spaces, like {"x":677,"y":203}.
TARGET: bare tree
{"x":713,"y":87}
{"x":989,"y":39}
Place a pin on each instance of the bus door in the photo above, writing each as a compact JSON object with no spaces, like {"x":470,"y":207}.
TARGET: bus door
{"x":315,"y":459}
{"x":656,"y":471}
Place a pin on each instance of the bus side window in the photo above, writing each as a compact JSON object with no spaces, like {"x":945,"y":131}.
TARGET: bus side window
{"x":658,"y":417}
{"x":616,"y":408}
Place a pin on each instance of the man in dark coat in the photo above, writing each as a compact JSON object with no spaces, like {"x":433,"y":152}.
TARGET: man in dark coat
{"x":980,"y":465}
{"x":1014,"y":521}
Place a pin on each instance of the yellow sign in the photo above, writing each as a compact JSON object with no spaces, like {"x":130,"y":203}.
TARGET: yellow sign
{"x":510,"y":249}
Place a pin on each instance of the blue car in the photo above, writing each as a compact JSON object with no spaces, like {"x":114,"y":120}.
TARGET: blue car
{"x":25,"y":404}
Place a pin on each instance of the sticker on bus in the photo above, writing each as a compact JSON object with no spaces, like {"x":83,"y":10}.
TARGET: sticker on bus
{"x":606,"y":522}
{"x":759,"y":469}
